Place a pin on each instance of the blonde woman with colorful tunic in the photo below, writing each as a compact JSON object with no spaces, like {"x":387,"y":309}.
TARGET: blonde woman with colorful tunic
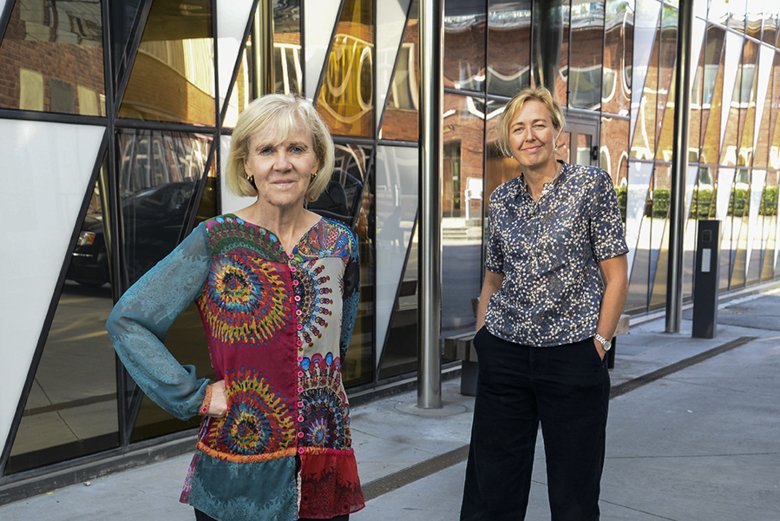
{"x":277,"y":289}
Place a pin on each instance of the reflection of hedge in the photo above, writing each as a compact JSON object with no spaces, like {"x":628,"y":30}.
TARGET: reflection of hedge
{"x":703,"y":202}
{"x":768,"y":201}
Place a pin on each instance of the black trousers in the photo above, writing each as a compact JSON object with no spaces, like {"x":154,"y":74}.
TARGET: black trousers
{"x":200,"y":516}
{"x":566,"y":389}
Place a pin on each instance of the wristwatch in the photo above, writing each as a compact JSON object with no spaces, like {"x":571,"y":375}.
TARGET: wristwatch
{"x":605,"y":344}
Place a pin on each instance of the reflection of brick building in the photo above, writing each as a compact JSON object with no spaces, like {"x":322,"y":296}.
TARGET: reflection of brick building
{"x":52,"y":69}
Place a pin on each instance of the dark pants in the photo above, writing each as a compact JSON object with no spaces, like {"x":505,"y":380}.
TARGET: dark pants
{"x":200,"y":516}
{"x":564,"y":388}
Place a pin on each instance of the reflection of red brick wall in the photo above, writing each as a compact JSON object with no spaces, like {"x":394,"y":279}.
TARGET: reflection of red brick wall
{"x":468,"y":130}
{"x":75,"y":65}
{"x":464,"y":52}
{"x":509,"y":49}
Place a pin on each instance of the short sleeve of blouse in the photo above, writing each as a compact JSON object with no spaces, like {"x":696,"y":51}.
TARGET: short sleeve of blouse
{"x":606,"y":227}
{"x":494,"y":257}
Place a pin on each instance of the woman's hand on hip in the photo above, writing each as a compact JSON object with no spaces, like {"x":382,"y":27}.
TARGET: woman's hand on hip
{"x":218,"y":405}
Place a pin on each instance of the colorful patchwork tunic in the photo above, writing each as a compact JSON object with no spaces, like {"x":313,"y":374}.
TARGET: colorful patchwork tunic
{"x":278,"y":326}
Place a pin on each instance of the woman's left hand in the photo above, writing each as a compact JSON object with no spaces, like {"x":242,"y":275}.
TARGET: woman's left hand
{"x":218,"y":405}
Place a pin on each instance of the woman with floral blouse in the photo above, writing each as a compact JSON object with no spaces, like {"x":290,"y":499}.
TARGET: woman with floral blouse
{"x":277,"y":289}
{"x":553,"y":291}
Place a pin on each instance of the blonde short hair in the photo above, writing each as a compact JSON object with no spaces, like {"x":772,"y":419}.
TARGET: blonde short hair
{"x":284,"y":114}
{"x":540,"y":94}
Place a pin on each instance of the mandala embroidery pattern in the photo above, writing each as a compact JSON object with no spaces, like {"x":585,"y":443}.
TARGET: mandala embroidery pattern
{"x":258,"y":420}
{"x":325,"y":413}
{"x":244,"y":300}
{"x":313,"y":301}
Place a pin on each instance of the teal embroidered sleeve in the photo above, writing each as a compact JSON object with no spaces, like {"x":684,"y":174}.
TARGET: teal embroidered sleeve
{"x":141,"y":319}
{"x":351,"y":297}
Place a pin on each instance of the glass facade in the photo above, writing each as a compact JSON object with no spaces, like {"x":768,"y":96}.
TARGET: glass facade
{"x":138,"y":132}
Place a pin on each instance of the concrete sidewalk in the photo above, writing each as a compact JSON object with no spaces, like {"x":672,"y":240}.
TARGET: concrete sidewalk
{"x":693,"y":435}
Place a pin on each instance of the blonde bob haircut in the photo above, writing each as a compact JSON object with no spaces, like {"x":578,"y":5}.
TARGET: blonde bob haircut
{"x":540,"y":94}
{"x":285,"y":115}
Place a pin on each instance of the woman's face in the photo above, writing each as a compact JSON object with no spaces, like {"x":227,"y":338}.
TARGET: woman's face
{"x":282,"y":169}
{"x":532,"y":136}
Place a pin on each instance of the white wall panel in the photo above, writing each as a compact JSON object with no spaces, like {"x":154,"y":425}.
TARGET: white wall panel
{"x":725,"y":181}
{"x":232,"y":18}
{"x":45,"y":176}
{"x":639,"y":175}
{"x":319,"y":20}
{"x":390,"y":25}
{"x":230,"y":201}
{"x":645,"y":28}
{"x":758,"y":179}
{"x":396,"y":207}
{"x":734,"y":43}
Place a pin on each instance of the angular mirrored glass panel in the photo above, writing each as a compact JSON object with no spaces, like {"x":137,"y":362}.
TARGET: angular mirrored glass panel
{"x":755,"y":224}
{"x":769,"y":64}
{"x":396,"y":210}
{"x":646,"y":123}
{"x":659,"y":234}
{"x":464,"y":45}
{"x":232,"y":19}
{"x":754,"y":19}
{"x":158,"y":176}
{"x":349,"y":198}
{"x":739,"y":97}
{"x":400,"y":120}
{"x":739,"y":206}
{"x":346,"y":97}
{"x":124,"y":17}
{"x":71,"y":410}
{"x":47,"y":168}
{"x":769,"y":34}
{"x":747,"y":104}
{"x":613,"y":153}
{"x":729,"y":112}
{"x":288,"y":53}
{"x":462,"y":196}
{"x":498,"y":168}
{"x":319,"y":19}
{"x":508,"y":52}
{"x":769,"y":207}
{"x":172,"y":78}
{"x":390,"y":27}
{"x":550,"y":60}
{"x":400,"y":353}
{"x":585,"y":65}
{"x":51,"y":58}
{"x":730,"y":13}
{"x":666,"y":84}
{"x":647,"y":14}
{"x":712,"y":94}
{"x":241,"y":93}
{"x":618,"y":57}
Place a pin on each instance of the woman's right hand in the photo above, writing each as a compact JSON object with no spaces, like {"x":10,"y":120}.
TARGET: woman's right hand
{"x":218,"y":405}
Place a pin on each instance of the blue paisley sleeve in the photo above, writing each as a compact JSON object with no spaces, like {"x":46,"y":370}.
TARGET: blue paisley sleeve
{"x":351,"y":297}
{"x":141,"y":318}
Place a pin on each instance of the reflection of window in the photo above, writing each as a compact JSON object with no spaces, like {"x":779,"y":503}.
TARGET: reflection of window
{"x":289,"y":74}
{"x":710,"y":77}
{"x":452,"y":179}
{"x":584,"y":85}
{"x":742,"y":96}
{"x":511,"y":83}
{"x":404,"y":86}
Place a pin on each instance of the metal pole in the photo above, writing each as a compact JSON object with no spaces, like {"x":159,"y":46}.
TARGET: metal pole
{"x":263,"y":49}
{"x":677,"y":215}
{"x":429,"y":243}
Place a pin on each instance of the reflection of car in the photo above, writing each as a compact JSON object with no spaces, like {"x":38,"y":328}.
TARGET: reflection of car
{"x":89,"y":263}
{"x":153,"y":219}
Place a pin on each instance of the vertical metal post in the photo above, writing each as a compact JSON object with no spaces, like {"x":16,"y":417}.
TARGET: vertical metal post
{"x":429,"y":244}
{"x":263,"y":49}
{"x":677,"y":215}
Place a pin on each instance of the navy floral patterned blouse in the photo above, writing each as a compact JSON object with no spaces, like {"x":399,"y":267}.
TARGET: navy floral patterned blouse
{"x":548,"y":251}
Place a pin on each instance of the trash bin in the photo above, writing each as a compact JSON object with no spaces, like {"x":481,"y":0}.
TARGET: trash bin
{"x":706,"y":280}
